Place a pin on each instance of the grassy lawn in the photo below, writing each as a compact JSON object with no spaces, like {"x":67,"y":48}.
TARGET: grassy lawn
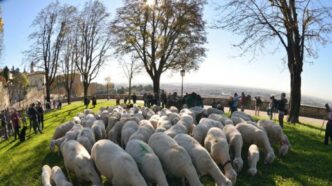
{"x":309,"y":162}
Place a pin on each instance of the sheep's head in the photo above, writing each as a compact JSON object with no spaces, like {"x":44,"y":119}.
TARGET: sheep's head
{"x":269,"y":157}
{"x":231,"y":174}
{"x":52,"y":145}
{"x":252,"y":171}
{"x":283,"y":150}
{"x":238,"y":164}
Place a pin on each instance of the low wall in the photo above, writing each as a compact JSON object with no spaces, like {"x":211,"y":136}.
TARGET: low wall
{"x":306,"y":111}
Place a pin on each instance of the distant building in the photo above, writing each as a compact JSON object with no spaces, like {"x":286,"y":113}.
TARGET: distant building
{"x":36,"y":80}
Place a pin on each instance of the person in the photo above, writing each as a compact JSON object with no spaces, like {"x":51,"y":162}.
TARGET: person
{"x":33,"y":116}
{"x":8,"y":122}
{"x":59,"y":103}
{"x":86,"y":102}
{"x":234,"y":103}
{"x":243,"y":101}
{"x":258,"y":105}
{"x":3,"y":124}
{"x":282,"y":109}
{"x":16,"y":124}
{"x":40,"y":118}
{"x":117,"y":100}
{"x":328,"y":128}
{"x":125,"y":99}
{"x":163,"y":98}
{"x":94,"y":102}
{"x":145,"y":99}
{"x":272,"y":107}
{"x":134,"y":97}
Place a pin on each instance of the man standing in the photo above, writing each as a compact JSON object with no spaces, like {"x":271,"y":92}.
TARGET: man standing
{"x":282,"y":109}
{"x":328,"y":129}
{"x":40,"y":118}
{"x":134,"y":97}
{"x":16,"y":124}
{"x":33,"y":115}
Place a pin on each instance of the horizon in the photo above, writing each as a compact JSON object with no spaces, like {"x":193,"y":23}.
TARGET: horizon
{"x":222,"y":65}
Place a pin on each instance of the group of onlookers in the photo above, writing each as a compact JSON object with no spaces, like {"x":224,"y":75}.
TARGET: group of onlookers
{"x":14,"y":122}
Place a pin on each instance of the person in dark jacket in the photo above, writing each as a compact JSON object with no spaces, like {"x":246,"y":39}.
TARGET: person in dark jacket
{"x":134,"y":97}
{"x":16,"y":123}
{"x":163,"y":99}
{"x":86,"y":102}
{"x":94,"y":101}
{"x":328,"y":129}
{"x":33,"y":116}
{"x":282,"y":109}
{"x":40,"y":118}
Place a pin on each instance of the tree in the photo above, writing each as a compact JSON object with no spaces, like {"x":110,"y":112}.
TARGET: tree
{"x":70,"y":53}
{"x":5,"y":73}
{"x":296,"y":24}
{"x":130,"y":69}
{"x":94,"y":41}
{"x":51,"y":25}
{"x":166,"y":35}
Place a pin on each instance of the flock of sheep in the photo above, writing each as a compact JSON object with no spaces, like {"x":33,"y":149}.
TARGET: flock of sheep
{"x":141,"y":146}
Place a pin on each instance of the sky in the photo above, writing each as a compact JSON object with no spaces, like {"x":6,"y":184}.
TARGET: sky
{"x":222,"y":65}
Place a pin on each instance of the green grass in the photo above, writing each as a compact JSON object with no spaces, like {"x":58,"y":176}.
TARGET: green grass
{"x":308,"y":162}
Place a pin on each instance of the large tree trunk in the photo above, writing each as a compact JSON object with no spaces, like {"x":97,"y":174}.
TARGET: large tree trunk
{"x":47,"y":86}
{"x":129,"y":91}
{"x":68,"y":95}
{"x":85,"y":89}
{"x":156,"y":86}
{"x":295,"y":97}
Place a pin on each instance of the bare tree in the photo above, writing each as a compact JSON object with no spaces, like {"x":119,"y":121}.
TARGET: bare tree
{"x":130,"y":69}
{"x":51,"y":27}
{"x":70,"y":53}
{"x":296,"y":24}
{"x":165,"y":35}
{"x":94,"y":41}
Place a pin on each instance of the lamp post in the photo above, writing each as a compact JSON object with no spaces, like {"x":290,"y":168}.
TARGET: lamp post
{"x":182,"y":72}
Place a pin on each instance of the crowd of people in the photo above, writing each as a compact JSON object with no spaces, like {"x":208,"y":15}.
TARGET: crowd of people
{"x":15,"y":122}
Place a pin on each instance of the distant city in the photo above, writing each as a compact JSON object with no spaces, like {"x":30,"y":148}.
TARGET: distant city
{"x":217,"y":91}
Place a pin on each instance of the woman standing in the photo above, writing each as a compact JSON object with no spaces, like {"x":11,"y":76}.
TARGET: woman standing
{"x":282,"y":109}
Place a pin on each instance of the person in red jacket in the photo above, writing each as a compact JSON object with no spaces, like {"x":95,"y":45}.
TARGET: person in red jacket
{"x":16,"y":123}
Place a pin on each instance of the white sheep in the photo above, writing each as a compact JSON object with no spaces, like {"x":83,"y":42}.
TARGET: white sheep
{"x":200,"y":131}
{"x":188,"y":121}
{"x":116,"y":164}
{"x":176,"y":129}
{"x":115,"y":133}
{"x":147,"y":161}
{"x":61,"y":130}
{"x":78,"y":161}
{"x":189,"y":112}
{"x":86,"y":137}
{"x":218,"y":117}
{"x":144,"y":131}
{"x":252,"y":134}
{"x":70,"y":135}
{"x":276,"y":135}
{"x":59,"y":178}
{"x":99,"y":130}
{"x":164,"y":123}
{"x":154,"y":120}
{"x":216,"y":143}
{"x":88,"y":120}
{"x":174,"y":109}
{"x":211,"y":110}
{"x":236,"y":120}
{"x":253,"y":158}
{"x":201,"y":159}
{"x":235,"y":142}
{"x":174,"y":158}
{"x":242,"y":115}
{"x":127,"y":130}
{"x":111,"y":122}
{"x":46,"y":175}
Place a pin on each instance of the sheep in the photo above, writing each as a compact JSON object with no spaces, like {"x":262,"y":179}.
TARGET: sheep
{"x":164,"y":123}
{"x":216,"y":143}
{"x":235,"y":142}
{"x":176,"y":129}
{"x":104,"y":116}
{"x":128,"y":129}
{"x":70,"y":135}
{"x":86,"y":137}
{"x":189,"y":112}
{"x":144,"y":131}
{"x":76,"y":120}
{"x":188,"y":121}
{"x":228,"y":122}
{"x":147,"y":161}
{"x":276,"y":135}
{"x":154,"y":120}
{"x":252,"y":134}
{"x":174,"y":109}
{"x":242,"y":115}
{"x":200,"y":131}
{"x":46,"y":175}
{"x":174,"y":158}
{"x":253,"y":158}
{"x":116,"y":164}
{"x":148,"y":113}
{"x":99,"y":130}
{"x":201,"y":159}
{"x":61,"y":130}
{"x":59,"y":178}
{"x":213,"y":111}
{"x":236,"y":120}
{"x":111,"y":122}
{"x":77,"y":160}
{"x":173,"y":117}
{"x":115,"y":133}
{"x":218,"y":117}
{"x":88,"y":120}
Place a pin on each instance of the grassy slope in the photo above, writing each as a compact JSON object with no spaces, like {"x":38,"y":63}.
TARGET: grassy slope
{"x":308,"y":163}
